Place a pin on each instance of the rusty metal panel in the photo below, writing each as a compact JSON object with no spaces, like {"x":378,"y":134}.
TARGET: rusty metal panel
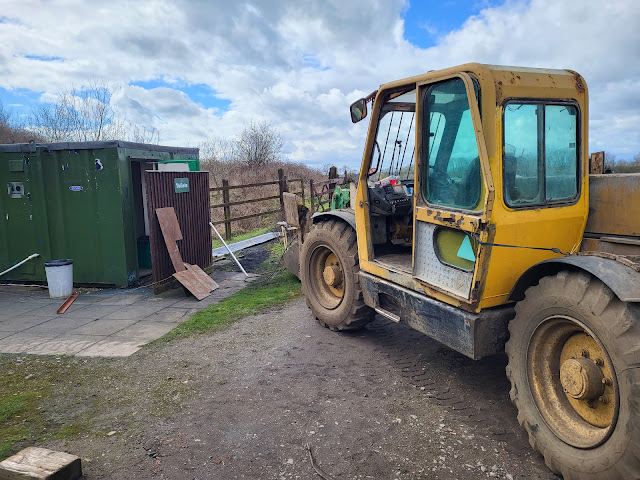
{"x":596,"y":163}
{"x":614,"y":205}
{"x":192,"y":211}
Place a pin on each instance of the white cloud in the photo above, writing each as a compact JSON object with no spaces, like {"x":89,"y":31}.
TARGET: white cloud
{"x":299,"y":64}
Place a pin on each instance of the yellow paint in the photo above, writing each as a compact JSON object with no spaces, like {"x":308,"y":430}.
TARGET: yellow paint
{"x":497,"y":268}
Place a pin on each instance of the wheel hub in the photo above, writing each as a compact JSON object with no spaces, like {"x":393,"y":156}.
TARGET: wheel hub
{"x":581,"y":379}
{"x":332,"y":275}
{"x":572,"y":382}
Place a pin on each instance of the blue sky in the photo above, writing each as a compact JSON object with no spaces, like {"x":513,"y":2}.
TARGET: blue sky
{"x":426,"y":21}
{"x":201,"y":71}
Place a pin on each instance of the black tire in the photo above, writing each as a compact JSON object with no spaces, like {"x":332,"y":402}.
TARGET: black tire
{"x":334,"y":297}
{"x":574,"y":367}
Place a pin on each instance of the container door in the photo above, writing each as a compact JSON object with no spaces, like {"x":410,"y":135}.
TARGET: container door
{"x":20,"y":230}
{"x":453,"y":187}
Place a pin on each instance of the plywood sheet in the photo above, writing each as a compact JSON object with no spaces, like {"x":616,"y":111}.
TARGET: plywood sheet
{"x":202,"y":276}
{"x":171,"y":233}
{"x":291,"y":209}
{"x":193,"y":283}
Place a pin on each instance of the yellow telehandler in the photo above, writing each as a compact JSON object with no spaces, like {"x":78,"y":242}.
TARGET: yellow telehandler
{"x":471,"y":223}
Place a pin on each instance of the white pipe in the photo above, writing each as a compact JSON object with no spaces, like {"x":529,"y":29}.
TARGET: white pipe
{"x":228,"y":249}
{"x":18,"y":264}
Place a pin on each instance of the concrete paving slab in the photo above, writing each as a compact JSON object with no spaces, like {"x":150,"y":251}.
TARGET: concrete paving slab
{"x":172,"y":315}
{"x":58,"y":326}
{"x":44,"y":311}
{"x":111,"y":347}
{"x":21,"y":342}
{"x":102,"y":323}
{"x":125,"y":298}
{"x":93,"y":311}
{"x":21,"y":322}
{"x":133,"y":312}
{"x":64,"y":345}
{"x":5,"y":334}
{"x":93,"y":297}
{"x":162,"y":302}
{"x":20,"y":308}
{"x":145,"y":331}
{"x":103,"y":327}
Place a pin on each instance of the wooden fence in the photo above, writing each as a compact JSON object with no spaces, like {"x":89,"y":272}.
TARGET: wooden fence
{"x":321,"y":194}
{"x":283,"y":186}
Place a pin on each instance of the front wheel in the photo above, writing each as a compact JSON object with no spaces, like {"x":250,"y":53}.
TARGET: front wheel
{"x":574,"y":367}
{"x":329,"y":273}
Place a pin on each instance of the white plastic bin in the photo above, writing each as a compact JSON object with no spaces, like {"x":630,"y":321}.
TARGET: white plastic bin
{"x":59,"y":277}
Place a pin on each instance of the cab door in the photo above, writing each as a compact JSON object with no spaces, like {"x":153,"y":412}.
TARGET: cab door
{"x":454,"y":191}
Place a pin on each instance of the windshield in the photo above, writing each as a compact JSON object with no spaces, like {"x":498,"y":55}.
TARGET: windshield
{"x":395,"y":139}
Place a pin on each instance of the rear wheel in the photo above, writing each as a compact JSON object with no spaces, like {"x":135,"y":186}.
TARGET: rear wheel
{"x":329,"y":274}
{"x":574,"y":367}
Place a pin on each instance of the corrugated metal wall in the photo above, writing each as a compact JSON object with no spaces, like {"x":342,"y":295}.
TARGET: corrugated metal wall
{"x":192,"y":211}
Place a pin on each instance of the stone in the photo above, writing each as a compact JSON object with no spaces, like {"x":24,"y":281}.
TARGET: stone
{"x":42,"y":464}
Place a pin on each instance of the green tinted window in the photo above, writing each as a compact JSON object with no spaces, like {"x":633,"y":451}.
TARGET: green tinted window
{"x":540,"y":154}
{"x":453,"y":177}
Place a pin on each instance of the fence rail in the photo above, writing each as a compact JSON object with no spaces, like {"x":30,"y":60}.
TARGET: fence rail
{"x":283,"y":186}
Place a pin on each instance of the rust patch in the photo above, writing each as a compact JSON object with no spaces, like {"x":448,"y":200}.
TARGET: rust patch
{"x":577,"y":79}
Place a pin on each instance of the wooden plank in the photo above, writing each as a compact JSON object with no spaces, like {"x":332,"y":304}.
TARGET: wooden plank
{"x":171,"y":233}
{"x":242,"y":202}
{"x":291,"y":209}
{"x":40,"y":463}
{"x":248,"y":185}
{"x":234,"y":219}
{"x":192,"y":283}
{"x":169,"y":223}
{"x":203,"y":277}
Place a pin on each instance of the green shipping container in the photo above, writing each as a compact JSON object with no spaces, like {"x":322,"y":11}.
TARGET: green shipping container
{"x":85,"y":201}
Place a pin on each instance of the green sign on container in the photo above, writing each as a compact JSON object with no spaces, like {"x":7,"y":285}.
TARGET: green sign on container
{"x":181,"y":185}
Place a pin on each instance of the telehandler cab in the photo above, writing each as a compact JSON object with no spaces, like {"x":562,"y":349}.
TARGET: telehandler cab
{"x":468,"y":224}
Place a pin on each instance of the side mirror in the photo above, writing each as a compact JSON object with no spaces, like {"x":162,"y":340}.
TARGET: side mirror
{"x":358,"y":110}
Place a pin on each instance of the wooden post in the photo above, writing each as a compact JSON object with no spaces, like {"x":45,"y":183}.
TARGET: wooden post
{"x":311,"y":196}
{"x":227,"y":209}
{"x":333,"y":173}
{"x":282,"y":186}
{"x":302,"y":189}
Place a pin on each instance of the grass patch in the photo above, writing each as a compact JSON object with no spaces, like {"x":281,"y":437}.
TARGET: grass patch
{"x":23,"y":384}
{"x":256,"y":297}
{"x":276,"y":287}
{"x":238,"y":237}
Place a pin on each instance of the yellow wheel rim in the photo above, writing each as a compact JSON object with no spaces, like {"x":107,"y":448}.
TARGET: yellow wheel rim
{"x":572,"y":381}
{"x":327,"y":278}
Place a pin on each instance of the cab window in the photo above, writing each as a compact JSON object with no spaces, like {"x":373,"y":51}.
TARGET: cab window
{"x":453,"y":177}
{"x":540,"y":159}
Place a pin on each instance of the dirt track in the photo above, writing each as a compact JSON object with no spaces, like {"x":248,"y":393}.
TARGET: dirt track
{"x":382,"y":403}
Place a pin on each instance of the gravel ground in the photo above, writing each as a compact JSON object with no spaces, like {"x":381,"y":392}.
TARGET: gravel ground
{"x":277,"y":396}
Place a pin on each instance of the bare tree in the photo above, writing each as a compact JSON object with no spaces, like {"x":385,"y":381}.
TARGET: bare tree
{"x":258,"y":144}
{"x":609,"y":162}
{"x":78,"y":114}
{"x":13,"y":131}
{"x":87,"y":114}
{"x":216,"y":149}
